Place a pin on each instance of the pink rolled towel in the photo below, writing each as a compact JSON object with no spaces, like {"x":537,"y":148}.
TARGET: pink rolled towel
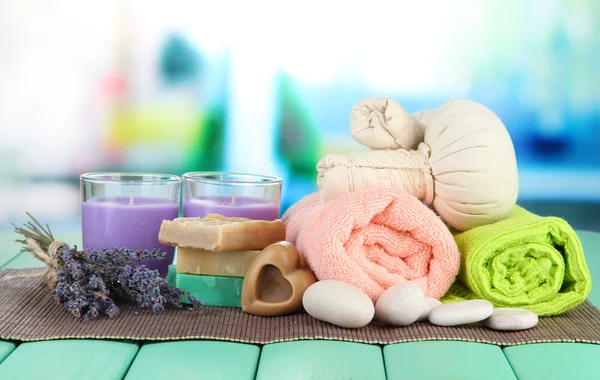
{"x":374,"y":239}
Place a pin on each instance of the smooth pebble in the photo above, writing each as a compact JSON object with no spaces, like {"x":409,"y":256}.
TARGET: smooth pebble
{"x":461,"y":313}
{"x":338,"y":303}
{"x":430,"y":304}
{"x":511,"y":319}
{"x":401,"y":304}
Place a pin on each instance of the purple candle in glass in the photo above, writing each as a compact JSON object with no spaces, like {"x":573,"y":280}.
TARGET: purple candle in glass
{"x":231,"y":194}
{"x":126,"y":210}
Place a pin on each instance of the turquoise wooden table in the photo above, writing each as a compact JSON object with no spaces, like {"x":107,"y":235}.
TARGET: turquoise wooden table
{"x":96,"y":359}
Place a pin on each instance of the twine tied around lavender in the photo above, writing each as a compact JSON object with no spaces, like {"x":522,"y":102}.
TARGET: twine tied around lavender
{"x":48,"y":257}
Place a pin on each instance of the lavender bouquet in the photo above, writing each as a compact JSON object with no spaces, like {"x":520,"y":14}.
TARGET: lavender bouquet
{"x":88,"y":281}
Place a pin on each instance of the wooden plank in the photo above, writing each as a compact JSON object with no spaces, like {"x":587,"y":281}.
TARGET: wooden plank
{"x":446,"y":360}
{"x":195,"y":360}
{"x":320,"y":359}
{"x":8,"y":247}
{"x":5,"y":349}
{"x":555,"y":361}
{"x":591,"y":248}
{"x":26,"y":260}
{"x":69,"y":359}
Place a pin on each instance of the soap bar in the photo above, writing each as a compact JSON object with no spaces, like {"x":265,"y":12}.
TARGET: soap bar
{"x":211,"y":290}
{"x":218,"y":233}
{"x":171,"y":274}
{"x":276,"y":281}
{"x":228,"y":263}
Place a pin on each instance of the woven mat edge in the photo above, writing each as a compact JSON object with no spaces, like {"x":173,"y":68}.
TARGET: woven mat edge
{"x":271,"y":341}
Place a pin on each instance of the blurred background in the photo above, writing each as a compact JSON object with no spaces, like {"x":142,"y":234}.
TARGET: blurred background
{"x":267,"y":87}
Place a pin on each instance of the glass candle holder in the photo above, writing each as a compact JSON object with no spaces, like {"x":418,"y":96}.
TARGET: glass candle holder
{"x":231,"y":194}
{"x":126,"y":210}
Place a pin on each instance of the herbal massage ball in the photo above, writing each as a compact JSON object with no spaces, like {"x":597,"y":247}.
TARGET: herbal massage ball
{"x":465,"y":167}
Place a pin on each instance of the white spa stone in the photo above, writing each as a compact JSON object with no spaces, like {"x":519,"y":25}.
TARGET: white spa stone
{"x":461,"y":313}
{"x":430,"y":304}
{"x":401,"y":304}
{"x":511,"y":319}
{"x":338,"y":303}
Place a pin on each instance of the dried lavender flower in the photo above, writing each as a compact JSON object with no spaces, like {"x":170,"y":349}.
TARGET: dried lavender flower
{"x":88,"y":280}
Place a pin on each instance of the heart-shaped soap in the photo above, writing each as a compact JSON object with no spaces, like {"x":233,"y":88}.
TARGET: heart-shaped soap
{"x":275,"y":281}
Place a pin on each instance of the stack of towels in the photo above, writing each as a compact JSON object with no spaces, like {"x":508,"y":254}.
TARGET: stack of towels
{"x":434,"y":201}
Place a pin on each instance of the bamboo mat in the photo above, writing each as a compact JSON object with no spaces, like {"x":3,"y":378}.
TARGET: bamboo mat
{"x":28,"y":313}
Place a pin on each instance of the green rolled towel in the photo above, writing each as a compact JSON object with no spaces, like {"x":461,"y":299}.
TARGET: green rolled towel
{"x":526,"y":261}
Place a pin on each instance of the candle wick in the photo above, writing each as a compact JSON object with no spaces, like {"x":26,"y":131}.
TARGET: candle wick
{"x":233,"y":196}
{"x":131,"y":198}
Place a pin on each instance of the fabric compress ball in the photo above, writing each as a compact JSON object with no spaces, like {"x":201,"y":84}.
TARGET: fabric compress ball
{"x":465,"y":168}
